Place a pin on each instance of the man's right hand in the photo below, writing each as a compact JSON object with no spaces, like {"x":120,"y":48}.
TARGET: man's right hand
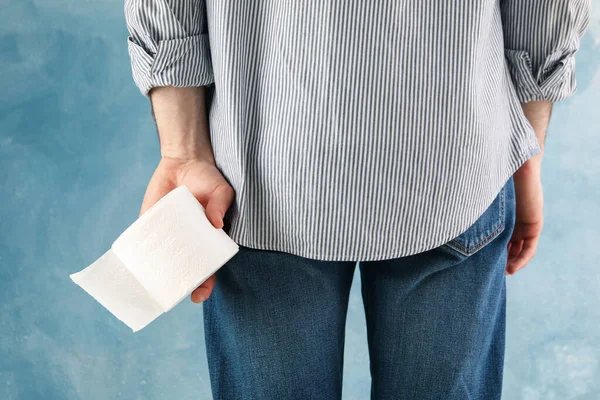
{"x":206,"y":183}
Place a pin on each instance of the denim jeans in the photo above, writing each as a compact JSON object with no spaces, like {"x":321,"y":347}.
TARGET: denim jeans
{"x":274,"y":324}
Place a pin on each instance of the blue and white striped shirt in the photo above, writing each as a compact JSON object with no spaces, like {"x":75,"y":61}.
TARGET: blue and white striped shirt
{"x":361,"y":130}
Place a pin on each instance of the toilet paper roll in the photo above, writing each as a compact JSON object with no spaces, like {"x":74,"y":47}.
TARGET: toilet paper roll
{"x":158,"y":261}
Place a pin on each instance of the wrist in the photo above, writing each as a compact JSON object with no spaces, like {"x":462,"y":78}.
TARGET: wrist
{"x":177,"y":168}
{"x":185,"y":153}
{"x":531,"y":167}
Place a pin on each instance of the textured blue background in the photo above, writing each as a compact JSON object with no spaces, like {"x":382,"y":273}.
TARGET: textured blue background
{"x":77,"y":147}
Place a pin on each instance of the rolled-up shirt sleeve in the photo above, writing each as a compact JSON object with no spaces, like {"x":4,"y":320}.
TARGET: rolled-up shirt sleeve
{"x":541,"y":38}
{"x":168,"y":43}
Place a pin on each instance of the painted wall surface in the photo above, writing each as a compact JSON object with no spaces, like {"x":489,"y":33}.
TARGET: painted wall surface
{"x":77,"y":147}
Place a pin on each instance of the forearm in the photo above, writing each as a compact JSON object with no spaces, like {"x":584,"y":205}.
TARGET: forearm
{"x":538,"y":113}
{"x":181,"y":120}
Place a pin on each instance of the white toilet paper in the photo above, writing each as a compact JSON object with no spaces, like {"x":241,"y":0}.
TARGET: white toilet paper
{"x":158,"y":261}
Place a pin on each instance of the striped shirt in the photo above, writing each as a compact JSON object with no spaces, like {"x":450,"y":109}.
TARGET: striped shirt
{"x":361,"y":130}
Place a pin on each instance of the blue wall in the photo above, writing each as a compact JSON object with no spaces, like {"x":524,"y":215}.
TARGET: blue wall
{"x":77,"y":147}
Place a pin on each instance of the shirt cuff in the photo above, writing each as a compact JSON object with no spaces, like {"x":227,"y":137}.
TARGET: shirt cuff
{"x":182,"y":62}
{"x":555,"y":79}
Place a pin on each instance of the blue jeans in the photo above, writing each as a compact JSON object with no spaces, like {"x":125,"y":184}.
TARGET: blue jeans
{"x":274,"y":324}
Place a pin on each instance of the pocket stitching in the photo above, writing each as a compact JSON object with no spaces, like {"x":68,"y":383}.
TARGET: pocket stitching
{"x":454,"y":244}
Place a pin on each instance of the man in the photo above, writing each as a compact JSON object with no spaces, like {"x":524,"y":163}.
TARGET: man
{"x":403,"y":135}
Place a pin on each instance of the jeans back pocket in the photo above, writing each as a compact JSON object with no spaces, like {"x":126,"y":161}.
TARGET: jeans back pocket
{"x":487,"y":227}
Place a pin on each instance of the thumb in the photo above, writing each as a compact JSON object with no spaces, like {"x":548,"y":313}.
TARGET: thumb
{"x":218,"y":204}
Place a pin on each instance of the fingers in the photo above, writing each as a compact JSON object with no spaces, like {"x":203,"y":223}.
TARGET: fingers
{"x":514,"y":248}
{"x":203,"y":292}
{"x":218,"y":203}
{"x":520,"y":253}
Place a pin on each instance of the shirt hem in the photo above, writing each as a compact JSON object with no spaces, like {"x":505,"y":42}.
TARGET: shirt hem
{"x":531,"y":149}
